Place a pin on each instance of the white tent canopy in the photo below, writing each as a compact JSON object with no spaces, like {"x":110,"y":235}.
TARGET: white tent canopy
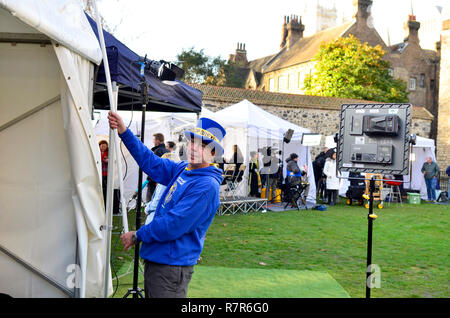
{"x":262,"y":129}
{"x":423,"y":148}
{"x":50,"y":184}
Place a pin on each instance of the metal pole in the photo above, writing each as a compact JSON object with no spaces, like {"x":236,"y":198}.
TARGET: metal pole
{"x":119,"y":168}
{"x":39,"y":273}
{"x":136,"y":291}
{"x":112,"y":143}
{"x":138,"y":214}
{"x":369,"y":235}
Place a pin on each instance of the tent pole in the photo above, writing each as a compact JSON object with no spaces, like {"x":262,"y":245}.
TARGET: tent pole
{"x":109,"y":207}
{"x":112,"y":143}
{"x":119,"y":167}
{"x":40,"y":274}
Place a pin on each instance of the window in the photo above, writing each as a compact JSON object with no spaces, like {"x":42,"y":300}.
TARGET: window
{"x":282,"y":83}
{"x":422,"y":80}
{"x":412,"y":84}
{"x":301,"y":80}
{"x":291,"y":81}
{"x":271,"y":85}
{"x":391,"y":72}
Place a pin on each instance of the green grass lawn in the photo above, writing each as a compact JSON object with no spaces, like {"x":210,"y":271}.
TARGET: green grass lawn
{"x":410,"y":246}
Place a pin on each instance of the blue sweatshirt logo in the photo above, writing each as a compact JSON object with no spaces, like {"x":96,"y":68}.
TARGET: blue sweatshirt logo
{"x":169,"y":195}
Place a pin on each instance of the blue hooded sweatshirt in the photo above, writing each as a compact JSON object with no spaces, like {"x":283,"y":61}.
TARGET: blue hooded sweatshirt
{"x":186,"y":209}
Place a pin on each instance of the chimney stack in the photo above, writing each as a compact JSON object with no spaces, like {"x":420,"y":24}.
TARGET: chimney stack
{"x":240,"y":56}
{"x":412,"y":27}
{"x":362,"y":12}
{"x":283,"y":33}
{"x":293,"y":29}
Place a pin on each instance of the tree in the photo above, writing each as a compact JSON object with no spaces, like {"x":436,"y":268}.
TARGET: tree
{"x":197,"y":65}
{"x":203,"y":69}
{"x":348,"y":69}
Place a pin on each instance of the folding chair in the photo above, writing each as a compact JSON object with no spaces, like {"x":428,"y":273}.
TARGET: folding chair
{"x":237,"y":181}
{"x":228,"y":175}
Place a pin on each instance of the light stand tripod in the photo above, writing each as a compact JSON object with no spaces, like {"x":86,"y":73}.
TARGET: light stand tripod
{"x":371,"y":217}
{"x":136,"y":291}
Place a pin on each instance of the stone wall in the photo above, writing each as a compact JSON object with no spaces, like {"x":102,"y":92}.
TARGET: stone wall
{"x":443,"y":129}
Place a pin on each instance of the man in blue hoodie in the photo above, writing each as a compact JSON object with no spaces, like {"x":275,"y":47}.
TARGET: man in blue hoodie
{"x":173,"y":241}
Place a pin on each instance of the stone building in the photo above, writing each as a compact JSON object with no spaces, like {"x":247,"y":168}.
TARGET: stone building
{"x":285,"y":71}
{"x":320,"y":114}
{"x":443,"y":131}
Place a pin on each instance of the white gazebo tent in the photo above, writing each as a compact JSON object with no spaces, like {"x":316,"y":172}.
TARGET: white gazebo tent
{"x":252,"y":128}
{"x":51,"y":244}
{"x":423,"y":148}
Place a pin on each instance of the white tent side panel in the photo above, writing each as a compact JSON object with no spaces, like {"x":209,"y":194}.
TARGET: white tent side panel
{"x":37,"y":214}
{"x":52,"y":205}
{"x":84,"y":155}
{"x":62,"y":21}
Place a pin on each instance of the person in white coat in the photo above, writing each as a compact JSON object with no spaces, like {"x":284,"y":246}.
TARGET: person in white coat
{"x":332,"y":179}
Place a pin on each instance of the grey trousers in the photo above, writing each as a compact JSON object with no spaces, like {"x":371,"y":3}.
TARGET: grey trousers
{"x":166,"y":281}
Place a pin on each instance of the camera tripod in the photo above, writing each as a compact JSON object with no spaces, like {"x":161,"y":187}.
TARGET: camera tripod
{"x":135,"y":291}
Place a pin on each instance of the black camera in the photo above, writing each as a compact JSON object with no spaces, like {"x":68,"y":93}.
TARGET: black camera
{"x":165,"y":71}
{"x":270,"y":160}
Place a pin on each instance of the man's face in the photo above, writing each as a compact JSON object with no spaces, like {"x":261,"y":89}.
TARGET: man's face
{"x":429,"y":160}
{"x":156,"y":142}
{"x":198,"y":152}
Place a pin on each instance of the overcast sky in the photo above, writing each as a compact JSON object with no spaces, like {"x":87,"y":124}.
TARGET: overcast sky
{"x":161,"y":29}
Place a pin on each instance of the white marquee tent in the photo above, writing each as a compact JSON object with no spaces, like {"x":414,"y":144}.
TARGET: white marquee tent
{"x":262,"y":129}
{"x":51,"y":244}
{"x":423,"y":148}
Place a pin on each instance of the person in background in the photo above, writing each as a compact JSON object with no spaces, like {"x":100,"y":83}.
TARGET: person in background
{"x":318,"y":165}
{"x":293,"y":170}
{"x":430,"y":172}
{"x":171,"y":146}
{"x":159,"y":149}
{"x":236,"y":158}
{"x":448,"y":175}
{"x":333,"y":181}
{"x":295,"y":174}
{"x":254,"y":178}
{"x":103,"y":144}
